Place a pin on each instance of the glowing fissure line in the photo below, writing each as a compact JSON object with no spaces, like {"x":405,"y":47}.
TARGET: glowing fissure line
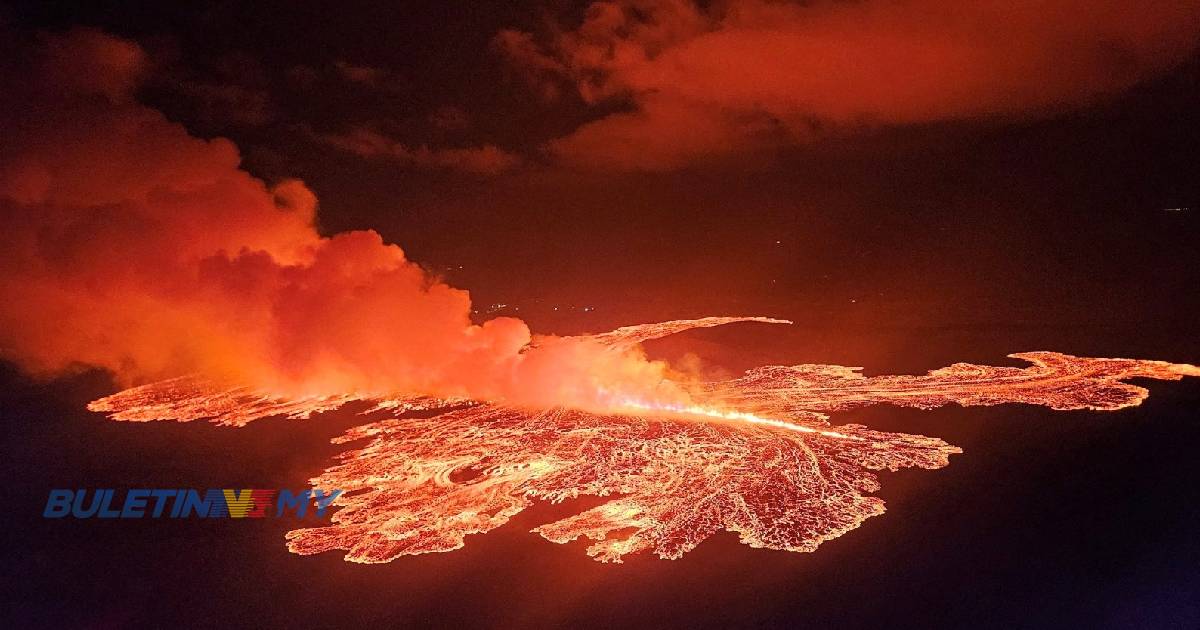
{"x":697,"y":410}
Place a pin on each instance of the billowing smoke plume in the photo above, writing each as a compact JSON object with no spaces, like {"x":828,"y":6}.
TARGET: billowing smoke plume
{"x":707,"y":78}
{"x":133,"y":246}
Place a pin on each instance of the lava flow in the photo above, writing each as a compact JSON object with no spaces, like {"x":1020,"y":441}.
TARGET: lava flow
{"x":754,"y":455}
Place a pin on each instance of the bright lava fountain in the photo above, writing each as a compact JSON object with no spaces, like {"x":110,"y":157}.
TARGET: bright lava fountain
{"x":755,"y":455}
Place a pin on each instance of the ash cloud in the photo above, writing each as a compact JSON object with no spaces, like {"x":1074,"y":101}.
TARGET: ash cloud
{"x":133,"y":246}
{"x":705,"y":79}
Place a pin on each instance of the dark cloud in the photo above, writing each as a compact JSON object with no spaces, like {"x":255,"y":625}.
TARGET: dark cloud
{"x":450,"y":118}
{"x":712,"y":79}
{"x":365,"y":75}
{"x":485,"y":159}
{"x":220,"y":104}
{"x":87,"y":61}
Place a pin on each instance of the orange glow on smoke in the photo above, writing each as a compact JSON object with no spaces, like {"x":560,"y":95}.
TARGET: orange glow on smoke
{"x":135,"y":247}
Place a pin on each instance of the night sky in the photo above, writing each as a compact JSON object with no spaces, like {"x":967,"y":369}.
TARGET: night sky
{"x":912,"y":184}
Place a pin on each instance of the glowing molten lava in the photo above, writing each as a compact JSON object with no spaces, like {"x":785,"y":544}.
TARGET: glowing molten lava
{"x":754,"y":455}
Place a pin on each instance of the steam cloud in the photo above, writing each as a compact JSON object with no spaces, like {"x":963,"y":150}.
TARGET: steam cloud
{"x":714,"y":78}
{"x":133,"y":246}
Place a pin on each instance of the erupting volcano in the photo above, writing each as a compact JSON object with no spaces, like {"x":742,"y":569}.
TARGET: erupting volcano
{"x":287,"y":288}
{"x":135,"y":247}
{"x":754,"y":455}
